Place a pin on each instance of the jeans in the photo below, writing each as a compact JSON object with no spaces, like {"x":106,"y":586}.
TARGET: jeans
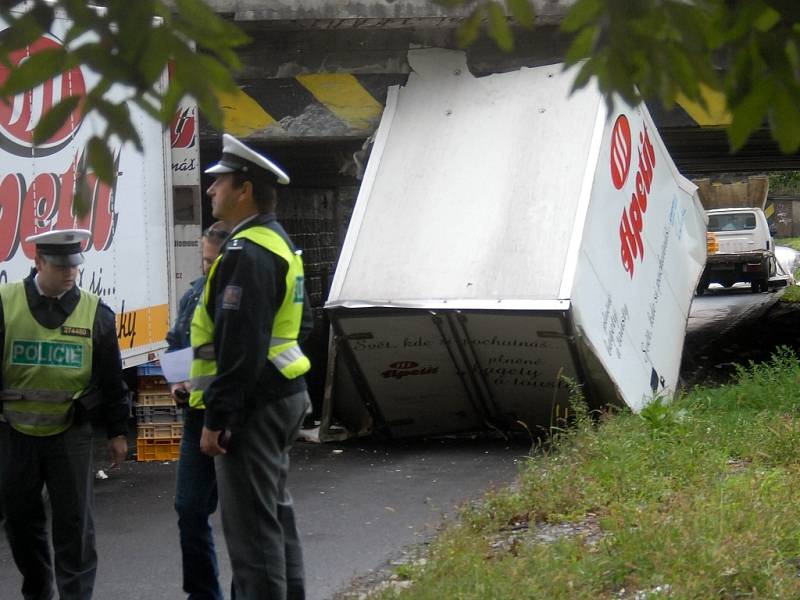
{"x":195,"y":501}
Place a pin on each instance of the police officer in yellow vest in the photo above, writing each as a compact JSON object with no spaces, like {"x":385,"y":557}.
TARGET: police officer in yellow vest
{"x":248,"y":373}
{"x":61,"y":368}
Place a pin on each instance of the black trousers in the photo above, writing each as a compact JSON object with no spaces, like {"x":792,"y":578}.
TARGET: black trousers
{"x":257,"y":511}
{"x":64,"y":464}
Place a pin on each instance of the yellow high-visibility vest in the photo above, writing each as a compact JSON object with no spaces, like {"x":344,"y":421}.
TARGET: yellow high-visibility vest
{"x":44,"y":369}
{"x":284,"y":351}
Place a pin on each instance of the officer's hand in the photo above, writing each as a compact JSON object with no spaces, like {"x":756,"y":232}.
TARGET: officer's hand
{"x":180,"y":392}
{"x":209,"y":442}
{"x":118,"y":450}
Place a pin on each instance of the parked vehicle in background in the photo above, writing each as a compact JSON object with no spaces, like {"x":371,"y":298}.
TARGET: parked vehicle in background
{"x":745,"y":250}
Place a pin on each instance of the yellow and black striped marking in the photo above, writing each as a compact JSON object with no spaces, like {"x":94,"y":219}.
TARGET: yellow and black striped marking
{"x":310,"y":105}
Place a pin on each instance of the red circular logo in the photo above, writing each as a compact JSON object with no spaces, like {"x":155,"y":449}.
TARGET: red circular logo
{"x":620,"y":151}
{"x":22,"y":113}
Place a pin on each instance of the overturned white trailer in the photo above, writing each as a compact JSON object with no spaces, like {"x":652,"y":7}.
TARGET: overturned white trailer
{"x":508,"y":234}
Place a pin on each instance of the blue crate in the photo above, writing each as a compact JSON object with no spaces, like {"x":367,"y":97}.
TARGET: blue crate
{"x":151,"y":368}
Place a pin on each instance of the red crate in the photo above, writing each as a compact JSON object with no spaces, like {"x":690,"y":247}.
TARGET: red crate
{"x":154,"y":450}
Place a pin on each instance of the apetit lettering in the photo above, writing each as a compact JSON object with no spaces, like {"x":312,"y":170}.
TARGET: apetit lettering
{"x":632,"y":220}
{"x":406,"y":368}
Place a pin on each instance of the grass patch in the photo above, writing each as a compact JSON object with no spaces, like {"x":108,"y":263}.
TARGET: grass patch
{"x":793,"y":242}
{"x":695,"y":499}
{"x":791,"y":294}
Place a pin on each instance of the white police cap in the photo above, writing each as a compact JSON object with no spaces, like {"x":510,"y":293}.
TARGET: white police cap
{"x":238,"y":157}
{"x":61,"y":247}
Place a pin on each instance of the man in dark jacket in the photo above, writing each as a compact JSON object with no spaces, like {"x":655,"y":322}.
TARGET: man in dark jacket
{"x":196,"y":489}
{"x":61,"y":365}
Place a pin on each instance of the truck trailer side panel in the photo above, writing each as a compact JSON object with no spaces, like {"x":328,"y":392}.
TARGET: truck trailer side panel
{"x":130,"y":254}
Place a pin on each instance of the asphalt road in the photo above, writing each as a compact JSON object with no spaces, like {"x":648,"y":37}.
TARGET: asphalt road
{"x":359,"y":505}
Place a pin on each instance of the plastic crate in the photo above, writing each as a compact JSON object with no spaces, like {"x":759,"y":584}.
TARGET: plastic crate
{"x":151,"y":383}
{"x":155,"y":399}
{"x":160,"y":431}
{"x":146,"y":415}
{"x":151,"y":368}
{"x":152,"y":450}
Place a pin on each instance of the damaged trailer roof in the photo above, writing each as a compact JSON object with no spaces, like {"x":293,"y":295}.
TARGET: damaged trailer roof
{"x":472,"y":189}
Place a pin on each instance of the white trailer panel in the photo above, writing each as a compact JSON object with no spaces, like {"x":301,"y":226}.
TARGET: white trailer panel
{"x":559,"y":238}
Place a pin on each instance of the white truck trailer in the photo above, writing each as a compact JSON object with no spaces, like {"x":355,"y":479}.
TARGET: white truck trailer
{"x":144,"y":247}
{"x":507,"y":235}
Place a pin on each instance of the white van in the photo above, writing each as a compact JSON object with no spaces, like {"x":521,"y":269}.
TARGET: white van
{"x":746,"y":251}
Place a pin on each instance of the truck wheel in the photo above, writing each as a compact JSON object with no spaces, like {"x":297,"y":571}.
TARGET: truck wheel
{"x":758,"y":285}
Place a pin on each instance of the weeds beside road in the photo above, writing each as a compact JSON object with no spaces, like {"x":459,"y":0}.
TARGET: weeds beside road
{"x":698,"y":499}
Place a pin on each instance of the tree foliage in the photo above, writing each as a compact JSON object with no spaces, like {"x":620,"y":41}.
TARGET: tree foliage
{"x":129,"y":42}
{"x":748,"y":50}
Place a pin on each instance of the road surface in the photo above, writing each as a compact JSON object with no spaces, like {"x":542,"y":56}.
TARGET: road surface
{"x":359,"y":503}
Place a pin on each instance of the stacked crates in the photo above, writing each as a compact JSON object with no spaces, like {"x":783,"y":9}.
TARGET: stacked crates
{"x":159,"y":423}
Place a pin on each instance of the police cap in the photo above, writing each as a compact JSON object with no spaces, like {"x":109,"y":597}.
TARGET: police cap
{"x":61,"y":247}
{"x":238,"y":157}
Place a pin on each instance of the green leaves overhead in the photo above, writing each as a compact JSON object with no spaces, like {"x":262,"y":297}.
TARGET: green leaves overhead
{"x":125,"y":42}
{"x":671,"y":50}
{"x":35,"y":70}
{"x":498,"y":19}
{"x":53,"y":120}
{"x":522,"y":11}
{"x":100,"y":158}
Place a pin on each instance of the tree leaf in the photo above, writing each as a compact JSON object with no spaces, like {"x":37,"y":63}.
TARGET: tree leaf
{"x":21,"y":31}
{"x":582,"y":45}
{"x":36,"y":69}
{"x":100,"y":159}
{"x":209,"y":29}
{"x":499,"y":29}
{"x":54,"y":118}
{"x":523,"y":12}
{"x":470,"y":28}
{"x":118,"y":119}
{"x":768,"y":18}
{"x":581,"y":14}
{"x":783,"y":119}
{"x":749,"y":114}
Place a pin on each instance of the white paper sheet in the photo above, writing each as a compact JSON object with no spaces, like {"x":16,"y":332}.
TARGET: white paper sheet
{"x":176,"y":365}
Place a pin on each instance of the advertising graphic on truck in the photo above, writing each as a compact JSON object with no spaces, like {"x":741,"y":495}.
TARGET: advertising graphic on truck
{"x":130,"y":257}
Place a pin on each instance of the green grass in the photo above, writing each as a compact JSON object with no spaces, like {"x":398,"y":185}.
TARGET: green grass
{"x":697,"y":499}
{"x":793,"y":242}
{"x":791,"y":294}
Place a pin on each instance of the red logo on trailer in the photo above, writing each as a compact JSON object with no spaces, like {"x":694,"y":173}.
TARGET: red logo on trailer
{"x":183,"y":129}
{"x":620,"y":151}
{"x":405,"y":368}
{"x":22,"y":113}
{"x":631,"y":222}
